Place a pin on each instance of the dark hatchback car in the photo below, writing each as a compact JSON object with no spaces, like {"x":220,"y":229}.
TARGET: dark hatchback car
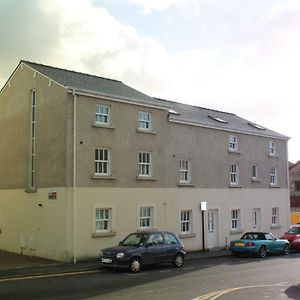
{"x":144,"y":248}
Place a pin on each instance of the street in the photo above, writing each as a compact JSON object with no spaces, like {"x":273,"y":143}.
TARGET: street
{"x":275,"y":277}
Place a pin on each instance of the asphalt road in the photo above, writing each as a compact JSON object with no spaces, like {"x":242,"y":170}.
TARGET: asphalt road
{"x":276,"y":277}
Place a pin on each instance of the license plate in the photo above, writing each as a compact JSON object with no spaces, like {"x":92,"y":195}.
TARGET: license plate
{"x":106,"y":260}
{"x":239,"y":244}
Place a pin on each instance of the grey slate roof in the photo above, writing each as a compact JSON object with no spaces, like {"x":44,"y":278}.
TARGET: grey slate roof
{"x":178,"y":112}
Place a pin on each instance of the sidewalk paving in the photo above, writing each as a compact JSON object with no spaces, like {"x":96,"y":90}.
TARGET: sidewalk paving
{"x":17,"y":265}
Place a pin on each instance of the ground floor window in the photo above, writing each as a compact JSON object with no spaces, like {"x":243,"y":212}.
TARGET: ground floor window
{"x":103,"y":219}
{"x":275,"y":216}
{"x":186,"y":221}
{"x":235,"y":219}
{"x":146,"y":217}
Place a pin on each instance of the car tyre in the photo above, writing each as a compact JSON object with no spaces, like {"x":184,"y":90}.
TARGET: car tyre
{"x":262,"y":252}
{"x":178,"y":260}
{"x":286,"y":249}
{"x":135,"y":265}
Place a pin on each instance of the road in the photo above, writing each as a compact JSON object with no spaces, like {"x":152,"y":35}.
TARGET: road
{"x":275,"y":277}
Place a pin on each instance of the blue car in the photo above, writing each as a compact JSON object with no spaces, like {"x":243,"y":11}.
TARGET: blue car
{"x":260,"y":244}
{"x":144,"y":248}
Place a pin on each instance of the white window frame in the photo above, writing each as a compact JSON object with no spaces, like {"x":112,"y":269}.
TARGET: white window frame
{"x":233,"y":174}
{"x":103,"y":220}
{"x":145,"y":164}
{"x":272,"y":148}
{"x":235,"y":219}
{"x":233,"y":143}
{"x":145,"y":121}
{"x":273,"y":176}
{"x":254,"y":172}
{"x":275,"y":216}
{"x":184,"y":171}
{"x":186,"y":221}
{"x":146,"y":217}
{"x":102,"y":161}
{"x":102,"y":114}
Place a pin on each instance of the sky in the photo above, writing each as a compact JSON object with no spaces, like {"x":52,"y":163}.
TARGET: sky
{"x":237,"y":56}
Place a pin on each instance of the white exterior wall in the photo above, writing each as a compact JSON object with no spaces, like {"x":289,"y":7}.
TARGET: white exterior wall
{"x":49,"y":229}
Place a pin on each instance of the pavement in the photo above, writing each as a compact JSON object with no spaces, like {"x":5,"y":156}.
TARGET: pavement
{"x":17,"y":265}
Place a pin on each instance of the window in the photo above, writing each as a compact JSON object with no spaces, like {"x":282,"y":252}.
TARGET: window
{"x":32,"y":141}
{"x":146,"y":217}
{"x":297,"y":185}
{"x":233,"y":174}
{"x":156,"y":239}
{"x":256,"y":218}
{"x":235,"y":219}
{"x":232,"y":143}
{"x":271,"y":148}
{"x":102,"y":114}
{"x":273,"y":176}
{"x":275,"y":216}
{"x":102,"y":161}
{"x":254,"y":172}
{"x":186,"y":221}
{"x":103,"y":219}
{"x":144,"y":120}
{"x":145,"y":164}
{"x":184,"y":171}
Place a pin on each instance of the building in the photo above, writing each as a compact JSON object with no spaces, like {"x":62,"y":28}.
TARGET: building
{"x":294,"y":173}
{"x":86,"y":160}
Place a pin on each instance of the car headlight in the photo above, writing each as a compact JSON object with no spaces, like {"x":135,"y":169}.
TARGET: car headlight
{"x":120,"y":255}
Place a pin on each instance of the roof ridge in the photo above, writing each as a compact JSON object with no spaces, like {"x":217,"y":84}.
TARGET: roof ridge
{"x":201,"y":107}
{"x":71,"y":71}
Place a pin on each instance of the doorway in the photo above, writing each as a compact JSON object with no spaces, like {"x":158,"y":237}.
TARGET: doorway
{"x":212,"y":228}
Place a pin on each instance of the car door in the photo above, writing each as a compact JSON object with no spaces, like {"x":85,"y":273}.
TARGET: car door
{"x":273,"y":245}
{"x":171,"y":247}
{"x":155,"y":248}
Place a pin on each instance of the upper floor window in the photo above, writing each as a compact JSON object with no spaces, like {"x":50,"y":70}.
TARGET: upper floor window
{"x":145,"y":164}
{"x":184,"y":171}
{"x":102,"y":161}
{"x":102,"y":114}
{"x":103,"y":220}
{"x":145,"y":120}
{"x":272,"y":148}
{"x":273,"y":176}
{"x":236,"y":219}
{"x":232,"y":143}
{"x":186,"y":221}
{"x":146,"y":217}
{"x":254,"y":172}
{"x":297,"y":185}
{"x":234,"y":180}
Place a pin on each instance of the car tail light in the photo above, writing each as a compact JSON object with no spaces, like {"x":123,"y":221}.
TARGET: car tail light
{"x":250,"y":244}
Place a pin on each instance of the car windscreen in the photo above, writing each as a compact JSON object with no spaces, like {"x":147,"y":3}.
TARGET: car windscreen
{"x":294,"y":230}
{"x":134,"y":239}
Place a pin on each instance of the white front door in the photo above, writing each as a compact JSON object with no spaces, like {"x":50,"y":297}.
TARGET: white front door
{"x":212,"y":228}
{"x":256,"y":219}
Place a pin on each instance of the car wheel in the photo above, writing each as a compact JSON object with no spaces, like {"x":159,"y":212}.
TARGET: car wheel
{"x":262,"y":252}
{"x":178,"y":260}
{"x":286,"y":249}
{"x":135,"y":265}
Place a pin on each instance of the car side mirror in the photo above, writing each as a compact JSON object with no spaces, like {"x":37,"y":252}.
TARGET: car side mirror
{"x":149,"y":244}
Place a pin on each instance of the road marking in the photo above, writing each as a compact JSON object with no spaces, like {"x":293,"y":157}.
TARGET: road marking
{"x":216,"y":294}
{"x":48,"y":275}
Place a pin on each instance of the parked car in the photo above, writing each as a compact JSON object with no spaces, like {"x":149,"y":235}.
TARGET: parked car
{"x":144,"y":248}
{"x":293,"y":236}
{"x":259,"y":243}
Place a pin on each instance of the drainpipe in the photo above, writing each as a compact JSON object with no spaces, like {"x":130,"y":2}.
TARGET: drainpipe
{"x":74,"y":180}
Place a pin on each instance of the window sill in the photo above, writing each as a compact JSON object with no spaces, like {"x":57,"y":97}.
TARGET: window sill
{"x":237,"y":231}
{"x":102,"y":126}
{"x":277,"y":226}
{"x":234,"y":151}
{"x":272,"y":186}
{"x":103,"y":234}
{"x":30,"y":190}
{"x":183,"y":184}
{"x":145,"y":131}
{"x":234,"y":186}
{"x":103,"y":177}
{"x":145,"y":178}
{"x":255,"y":180}
{"x":187,"y":235}
{"x":273,"y":155}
